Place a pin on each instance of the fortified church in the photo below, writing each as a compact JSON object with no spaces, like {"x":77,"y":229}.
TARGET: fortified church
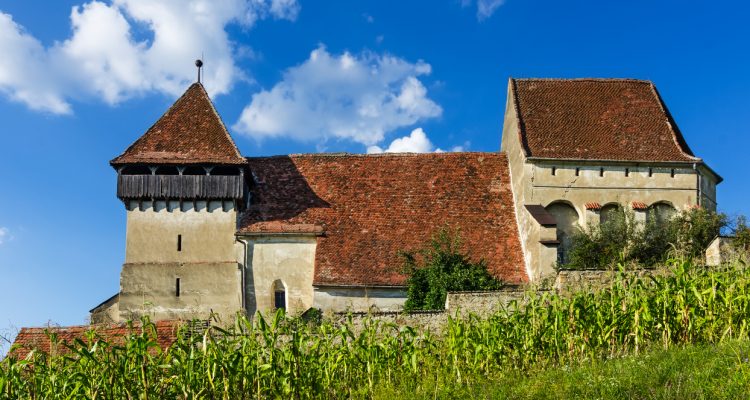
{"x":211,"y":232}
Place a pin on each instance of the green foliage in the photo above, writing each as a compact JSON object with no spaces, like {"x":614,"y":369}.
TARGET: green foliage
{"x":274,"y":359}
{"x":716,"y":371}
{"x":622,"y":239}
{"x":441,"y":267}
{"x":694,"y":229}
{"x":741,"y":233}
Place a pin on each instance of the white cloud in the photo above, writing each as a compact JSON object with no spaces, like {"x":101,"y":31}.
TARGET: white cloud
{"x":354,"y":97}
{"x":4,"y":234}
{"x":416,"y":142}
{"x":485,"y":8}
{"x":103,"y":59}
{"x":24,"y":73}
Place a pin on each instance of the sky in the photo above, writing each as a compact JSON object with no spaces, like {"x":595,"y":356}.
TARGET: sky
{"x":80,"y":81}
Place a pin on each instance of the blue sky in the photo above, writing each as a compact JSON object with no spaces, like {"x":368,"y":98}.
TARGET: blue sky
{"x":80,"y":81}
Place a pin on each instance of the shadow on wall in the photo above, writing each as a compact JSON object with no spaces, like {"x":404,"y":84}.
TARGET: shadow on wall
{"x":278,"y":191}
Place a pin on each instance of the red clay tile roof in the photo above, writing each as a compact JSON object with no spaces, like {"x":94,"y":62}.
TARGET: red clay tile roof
{"x":593,"y":206}
{"x":29,"y":339}
{"x":596,"y":119}
{"x":190,"y":132}
{"x":372,"y":206}
{"x":639,"y":205}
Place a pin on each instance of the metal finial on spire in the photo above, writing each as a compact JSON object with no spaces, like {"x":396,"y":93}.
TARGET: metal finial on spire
{"x":199,"y":64}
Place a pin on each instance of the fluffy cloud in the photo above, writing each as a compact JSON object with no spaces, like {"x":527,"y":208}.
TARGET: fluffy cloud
{"x":416,"y":142}
{"x":354,"y":97}
{"x":103,"y":59}
{"x":485,"y":8}
{"x":4,"y":233}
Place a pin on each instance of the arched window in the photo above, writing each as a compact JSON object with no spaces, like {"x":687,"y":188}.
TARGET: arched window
{"x":608,"y":212}
{"x":660,"y":212}
{"x":279,"y":295}
{"x":566,"y":218}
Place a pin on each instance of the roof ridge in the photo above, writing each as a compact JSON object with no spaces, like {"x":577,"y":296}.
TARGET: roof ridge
{"x":598,"y":80}
{"x":377,"y":155}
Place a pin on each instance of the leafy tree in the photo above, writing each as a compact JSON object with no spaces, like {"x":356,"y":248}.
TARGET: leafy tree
{"x":441,"y":267}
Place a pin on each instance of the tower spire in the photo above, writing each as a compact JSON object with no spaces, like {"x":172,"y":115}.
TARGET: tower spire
{"x":199,"y":64}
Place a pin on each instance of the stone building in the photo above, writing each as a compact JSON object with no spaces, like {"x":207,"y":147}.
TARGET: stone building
{"x":212,"y":232}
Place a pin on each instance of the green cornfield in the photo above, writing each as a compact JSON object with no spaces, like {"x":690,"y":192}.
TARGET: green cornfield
{"x":286,"y":358}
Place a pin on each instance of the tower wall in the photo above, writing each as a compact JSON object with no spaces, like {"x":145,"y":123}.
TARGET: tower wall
{"x":181,"y":260}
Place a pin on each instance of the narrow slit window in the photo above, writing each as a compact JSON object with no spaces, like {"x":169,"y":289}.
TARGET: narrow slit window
{"x":672,"y":172}
{"x":650,"y":172}
{"x":601,"y":171}
{"x":578,"y":171}
{"x":177,"y":287}
{"x":554,"y":171}
{"x":627,"y":171}
{"x":179,"y":242}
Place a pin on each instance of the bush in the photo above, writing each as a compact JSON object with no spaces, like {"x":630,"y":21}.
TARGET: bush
{"x":441,"y":267}
{"x":624,"y":240}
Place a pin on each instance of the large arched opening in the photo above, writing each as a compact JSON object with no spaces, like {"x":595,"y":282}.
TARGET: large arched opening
{"x":609,"y":212}
{"x":660,"y":212}
{"x":566,"y":218}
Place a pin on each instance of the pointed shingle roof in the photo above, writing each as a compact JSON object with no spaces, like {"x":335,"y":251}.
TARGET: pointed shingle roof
{"x":597,"y":119}
{"x":190,"y":132}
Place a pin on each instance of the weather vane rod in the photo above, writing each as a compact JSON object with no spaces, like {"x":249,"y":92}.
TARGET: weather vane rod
{"x":199,"y":64}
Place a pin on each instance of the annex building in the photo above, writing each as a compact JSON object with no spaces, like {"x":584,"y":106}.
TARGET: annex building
{"x":211,"y":232}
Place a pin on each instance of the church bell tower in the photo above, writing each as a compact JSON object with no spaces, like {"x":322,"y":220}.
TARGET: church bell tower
{"x":182,"y":184}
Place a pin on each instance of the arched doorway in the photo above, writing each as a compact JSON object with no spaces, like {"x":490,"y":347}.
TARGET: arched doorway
{"x":279,"y":295}
{"x":660,"y":212}
{"x":608,"y":212}
{"x":566,"y":218}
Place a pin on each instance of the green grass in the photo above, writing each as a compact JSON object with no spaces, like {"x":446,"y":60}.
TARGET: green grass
{"x":692,"y":372}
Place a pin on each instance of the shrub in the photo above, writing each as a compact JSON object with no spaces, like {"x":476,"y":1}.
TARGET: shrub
{"x":441,"y":267}
{"x":622,"y":239}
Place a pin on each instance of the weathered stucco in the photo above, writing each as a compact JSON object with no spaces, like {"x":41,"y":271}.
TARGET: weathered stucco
{"x":288,"y":259}
{"x":193,"y":242}
{"x":577,"y":182}
{"x":359,"y":299}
